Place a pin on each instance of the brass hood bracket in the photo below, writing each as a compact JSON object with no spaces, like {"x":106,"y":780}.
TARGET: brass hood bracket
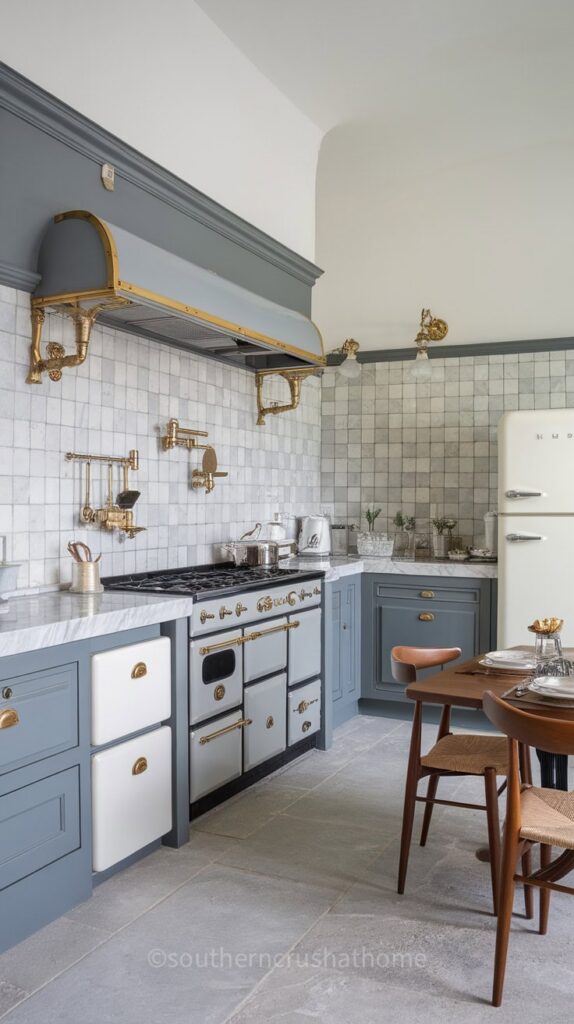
{"x":57,"y":359}
{"x":294,"y":379}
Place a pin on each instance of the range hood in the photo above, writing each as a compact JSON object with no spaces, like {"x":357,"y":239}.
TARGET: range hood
{"x":92,"y":270}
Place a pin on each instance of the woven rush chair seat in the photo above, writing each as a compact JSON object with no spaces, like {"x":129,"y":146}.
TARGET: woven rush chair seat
{"x":468,"y":754}
{"x":547,"y":817}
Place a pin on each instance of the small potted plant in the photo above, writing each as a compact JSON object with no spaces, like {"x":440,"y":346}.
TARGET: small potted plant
{"x":369,"y":542}
{"x":442,"y":534}
{"x":405,"y":537}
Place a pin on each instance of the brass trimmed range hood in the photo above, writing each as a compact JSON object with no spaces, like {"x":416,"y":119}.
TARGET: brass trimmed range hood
{"x":92,"y":271}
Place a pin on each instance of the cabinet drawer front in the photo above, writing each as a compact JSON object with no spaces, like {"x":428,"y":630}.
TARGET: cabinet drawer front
{"x":304,"y":711}
{"x":266,"y":653}
{"x":44,"y":718}
{"x":131,"y":796}
{"x":305,"y":646}
{"x":217,"y":759}
{"x":131,"y":689}
{"x":266,"y":735}
{"x":39,"y":824}
{"x":425,"y":594}
{"x":399,"y":624}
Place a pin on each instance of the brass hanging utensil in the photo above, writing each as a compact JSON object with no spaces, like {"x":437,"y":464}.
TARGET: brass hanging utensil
{"x":87,"y":514}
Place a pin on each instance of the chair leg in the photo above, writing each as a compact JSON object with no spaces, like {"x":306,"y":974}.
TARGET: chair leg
{"x":528,"y":895}
{"x":505,"y":904}
{"x":545,"y":858}
{"x":493,"y":823}
{"x":413,"y":773}
{"x":431,"y":794}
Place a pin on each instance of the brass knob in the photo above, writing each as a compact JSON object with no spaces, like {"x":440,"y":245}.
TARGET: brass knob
{"x":317,"y":590}
{"x":205,"y":616}
{"x":305,"y":593}
{"x":291,"y":598}
{"x":270,"y":722}
{"x":426,"y":617}
{"x":7,"y":692}
{"x":219,"y":692}
{"x":139,"y":766}
{"x":426,"y":593}
{"x":8,"y":718}
{"x":265,"y":604}
{"x":223,"y":611}
{"x":306,"y":726}
{"x":240,"y":608}
{"x":302,"y":706}
{"x":139,"y":670}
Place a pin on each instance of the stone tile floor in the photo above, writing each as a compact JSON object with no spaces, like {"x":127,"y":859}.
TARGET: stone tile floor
{"x":283,"y":909}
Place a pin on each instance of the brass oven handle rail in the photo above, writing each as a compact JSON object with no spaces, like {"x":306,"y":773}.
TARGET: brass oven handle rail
{"x":240,"y":640}
{"x":227,"y":728}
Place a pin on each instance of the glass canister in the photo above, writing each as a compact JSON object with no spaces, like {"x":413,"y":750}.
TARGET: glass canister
{"x":550,"y":661}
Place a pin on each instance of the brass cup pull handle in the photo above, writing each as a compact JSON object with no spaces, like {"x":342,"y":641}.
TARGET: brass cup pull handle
{"x":306,"y":726}
{"x":270,"y":722}
{"x":426,"y":593}
{"x":139,"y":670}
{"x":426,"y":617}
{"x":9,"y":717}
{"x":140,"y":766}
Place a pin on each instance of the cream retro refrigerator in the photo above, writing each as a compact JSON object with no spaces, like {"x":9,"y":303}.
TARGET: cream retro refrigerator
{"x":536,"y":522}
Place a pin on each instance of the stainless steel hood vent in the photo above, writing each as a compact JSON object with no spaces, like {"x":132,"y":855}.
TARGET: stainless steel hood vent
{"x":96,"y":271}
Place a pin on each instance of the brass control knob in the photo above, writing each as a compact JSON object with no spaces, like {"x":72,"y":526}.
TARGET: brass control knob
{"x":219,"y":692}
{"x":240,"y":608}
{"x":306,"y":726}
{"x":205,"y":616}
{"x":265,"y":604}
{"x":305,"y":593}
{"x":270,"y":722}
{"x":317,"y":590}
{"x":223,"y":611}
{"x":291,"y":598}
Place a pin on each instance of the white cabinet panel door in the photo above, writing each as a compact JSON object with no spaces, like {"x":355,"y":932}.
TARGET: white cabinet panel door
{"x":217,"y":759}
{"x":304,"y":711}
{"x":266,"y":735}
{"x":305,"y":646}
{"x":131,"y":689}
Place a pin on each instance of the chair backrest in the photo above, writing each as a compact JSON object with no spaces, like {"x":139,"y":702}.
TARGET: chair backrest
{"x":553,"y":734}
{"x":406,"y":660}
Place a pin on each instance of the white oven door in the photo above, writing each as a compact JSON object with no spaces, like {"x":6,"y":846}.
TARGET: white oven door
{"x":305,"y":646}
{"x":264,"y":704}
{"x":265,"y":650}
{"x":215,"y":754}
{"x":215,"y":675}
{"x":304,"y":711}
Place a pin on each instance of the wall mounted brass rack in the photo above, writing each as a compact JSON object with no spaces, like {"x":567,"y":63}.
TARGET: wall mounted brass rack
{"x":114,"y":515}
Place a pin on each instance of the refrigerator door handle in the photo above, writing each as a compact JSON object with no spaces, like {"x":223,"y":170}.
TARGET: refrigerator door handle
{"x":514,"y":537}
{"x":523,"y":494}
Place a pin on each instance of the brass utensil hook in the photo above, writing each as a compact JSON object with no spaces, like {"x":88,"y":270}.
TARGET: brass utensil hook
{"x":87,"y":514}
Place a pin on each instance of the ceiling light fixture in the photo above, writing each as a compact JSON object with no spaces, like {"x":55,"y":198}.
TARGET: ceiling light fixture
{"x":431,"y":329}
{"x":350,"y":367}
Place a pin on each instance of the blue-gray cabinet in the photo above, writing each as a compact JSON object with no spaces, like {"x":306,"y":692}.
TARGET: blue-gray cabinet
{"x":343,"y":647}
{"x":419,"y":611}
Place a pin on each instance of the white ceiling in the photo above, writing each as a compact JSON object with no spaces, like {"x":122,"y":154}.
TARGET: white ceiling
{"x":421,"y":60}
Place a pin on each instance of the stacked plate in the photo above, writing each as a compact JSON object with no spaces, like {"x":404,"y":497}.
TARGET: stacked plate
{"x":561,"y":687}
{"x":509,"y":661}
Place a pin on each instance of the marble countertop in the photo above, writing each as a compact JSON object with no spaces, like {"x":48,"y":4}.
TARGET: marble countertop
{"x":338,"y":566}
{"x":58,"y":617}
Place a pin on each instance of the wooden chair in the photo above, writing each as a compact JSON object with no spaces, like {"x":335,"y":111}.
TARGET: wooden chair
{"x":533,"y":815}
{"x":452,"y":755}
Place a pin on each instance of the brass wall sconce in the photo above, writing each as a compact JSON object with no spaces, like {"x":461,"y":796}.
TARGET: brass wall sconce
{"x":431,"y":329}
{"x":116,"y":515}
{"x":350,"y":366}
{"x":176,"y":436}
{"x":294,"y":379}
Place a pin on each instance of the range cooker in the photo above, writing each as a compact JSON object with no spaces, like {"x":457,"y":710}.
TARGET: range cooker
{"x":255,"y":690}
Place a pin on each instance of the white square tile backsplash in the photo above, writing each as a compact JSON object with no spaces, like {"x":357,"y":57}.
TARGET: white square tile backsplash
{"x":122,"y":398}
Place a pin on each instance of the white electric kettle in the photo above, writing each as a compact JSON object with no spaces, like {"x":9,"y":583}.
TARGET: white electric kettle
{"x":313,"y":536}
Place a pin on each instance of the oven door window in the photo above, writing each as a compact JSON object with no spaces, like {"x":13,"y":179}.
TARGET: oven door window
{"x":218,"y":666}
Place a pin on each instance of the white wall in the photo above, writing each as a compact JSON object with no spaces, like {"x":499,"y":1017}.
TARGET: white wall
{"x":483,"y":238}
{"x":162,"y":77}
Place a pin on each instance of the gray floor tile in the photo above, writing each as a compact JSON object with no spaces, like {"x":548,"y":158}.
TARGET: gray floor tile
{"x":222,"y":916}
{"x":54,"y":948}
{"x":10,"y":995}
{"x":244,"y":814}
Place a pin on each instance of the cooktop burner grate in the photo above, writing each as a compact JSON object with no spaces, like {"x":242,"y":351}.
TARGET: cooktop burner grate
{"x":198,"y":580}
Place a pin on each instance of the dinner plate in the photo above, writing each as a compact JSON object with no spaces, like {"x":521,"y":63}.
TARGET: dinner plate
{"x":514,"y":656}
{"x":509,"y":661}
{"x":553,"y":686}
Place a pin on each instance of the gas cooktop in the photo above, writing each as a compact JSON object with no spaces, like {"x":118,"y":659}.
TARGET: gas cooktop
{"x":199,"y":580}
